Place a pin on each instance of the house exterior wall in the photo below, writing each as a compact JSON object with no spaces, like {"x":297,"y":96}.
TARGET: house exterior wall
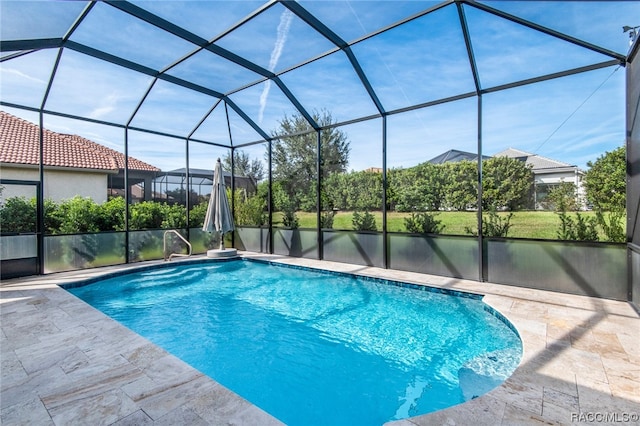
{"x":544,"y":179}
{"x":59,"y":185}
{"x":555,"y":178}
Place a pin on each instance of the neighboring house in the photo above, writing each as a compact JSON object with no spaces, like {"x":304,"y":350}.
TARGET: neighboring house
{"x":201,"y":181}
{"x":454,"y":155}
{"x":73,"y":165}
{"x":374,"y":170}
{"x":137,"y":194}
{"x":547,"y":174}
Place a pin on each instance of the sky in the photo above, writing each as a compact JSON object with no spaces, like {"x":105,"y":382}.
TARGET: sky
{"x":572,"y":119}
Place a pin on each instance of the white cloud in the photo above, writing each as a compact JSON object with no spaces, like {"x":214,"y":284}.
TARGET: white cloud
{"x":283,"y":33}
{"x":109,"y":103}
{"x":263,"y":100}
{"x":22,"y":75}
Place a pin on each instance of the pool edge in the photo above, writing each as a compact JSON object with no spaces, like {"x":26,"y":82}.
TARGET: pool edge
{"x":494,"y":311}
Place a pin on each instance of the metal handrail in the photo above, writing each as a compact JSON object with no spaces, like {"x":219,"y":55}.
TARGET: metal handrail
{"x":164,"y":245}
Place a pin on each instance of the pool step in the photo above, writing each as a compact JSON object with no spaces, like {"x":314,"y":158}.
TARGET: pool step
{"x":222,"y":253}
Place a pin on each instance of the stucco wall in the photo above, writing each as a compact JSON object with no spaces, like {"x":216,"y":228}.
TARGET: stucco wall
{"x":58,"y":184}
{"x":566,"y":176}
{"x":556,"y":177}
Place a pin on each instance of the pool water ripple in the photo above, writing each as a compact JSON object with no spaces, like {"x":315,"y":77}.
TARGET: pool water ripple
{"x":316,"y":348}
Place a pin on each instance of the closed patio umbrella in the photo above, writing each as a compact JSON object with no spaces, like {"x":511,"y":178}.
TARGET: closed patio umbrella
{"x":218,"y":217}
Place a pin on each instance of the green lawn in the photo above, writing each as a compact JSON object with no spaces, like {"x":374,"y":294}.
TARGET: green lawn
{"x":524,"y":224}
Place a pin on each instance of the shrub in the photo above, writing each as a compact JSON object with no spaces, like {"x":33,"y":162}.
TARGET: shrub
{"x":423,"y":223}
{"x":197,"y":215}
{"x":18,"y":215}
{"x":364,"y":222}
{"x":582,"y":229}
{"x":290,"y":219}
{"x":562,"y":197}
{"x":175,"y":216}
{"x":614,"y":229}
{"x":249,"y":210}
{"x":326,"y":219}
{"x":52,"y":219}
{"x":153,"y":215}
{"x":493,"y":225}
{"x":77,"y":215}
{"x":145,"y":215}
{"x":110,"y":215}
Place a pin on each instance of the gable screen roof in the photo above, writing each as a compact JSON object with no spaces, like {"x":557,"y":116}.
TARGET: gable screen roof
{"x":19,"y":144}
{"x":158,"y":64}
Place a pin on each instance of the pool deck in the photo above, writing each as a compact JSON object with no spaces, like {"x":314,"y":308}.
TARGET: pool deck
{"x":65,"y":363}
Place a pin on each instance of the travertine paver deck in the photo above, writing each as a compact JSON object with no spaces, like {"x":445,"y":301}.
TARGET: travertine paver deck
{"x":65,"y":363}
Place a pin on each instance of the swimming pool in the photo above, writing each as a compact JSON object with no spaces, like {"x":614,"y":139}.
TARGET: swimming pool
{"x":311,"y":347}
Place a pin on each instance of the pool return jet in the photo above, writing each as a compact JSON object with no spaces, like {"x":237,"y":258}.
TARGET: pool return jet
{"x":219,"y":217}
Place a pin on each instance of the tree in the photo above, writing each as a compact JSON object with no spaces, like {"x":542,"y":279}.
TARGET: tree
{"x":356,"y":190}
{"x":178,"y":195}
{"x":431,"y":182}
{"x":397,"y":179}
{"x":418,"y":188}
{"x":244,"y":166}
{"x":365,"y":190}
{"x":334,"y":192}
{"x":294,"y":157}
{"x":506,"y":183}
{"x":462,"y":187}
{"x":605,"y":181}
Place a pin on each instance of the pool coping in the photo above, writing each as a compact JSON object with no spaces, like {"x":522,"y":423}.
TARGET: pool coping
{"x":385,"y":281}
{"x":580,"y":358}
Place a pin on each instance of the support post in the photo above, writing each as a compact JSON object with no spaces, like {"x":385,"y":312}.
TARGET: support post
{"x":319,"y":196}
{"x":385,"y":242}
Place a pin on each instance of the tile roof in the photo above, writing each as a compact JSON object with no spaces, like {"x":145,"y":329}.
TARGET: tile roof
{"x":536,"y":161}
{"x":19,"y":144}
{"x":453,"y":156}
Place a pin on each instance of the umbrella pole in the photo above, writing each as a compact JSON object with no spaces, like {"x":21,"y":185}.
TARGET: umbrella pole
{"x":221,"y":240}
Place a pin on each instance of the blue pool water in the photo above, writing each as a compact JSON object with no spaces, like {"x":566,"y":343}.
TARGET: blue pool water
{"x":314,"y":348}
